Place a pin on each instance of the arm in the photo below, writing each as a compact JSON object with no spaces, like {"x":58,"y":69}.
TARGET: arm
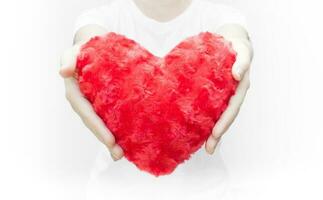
{"x":73,"y":94}
{"x":240,"y":71}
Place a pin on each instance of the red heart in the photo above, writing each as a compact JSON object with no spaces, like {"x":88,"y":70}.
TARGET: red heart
{"x":160,"y":110}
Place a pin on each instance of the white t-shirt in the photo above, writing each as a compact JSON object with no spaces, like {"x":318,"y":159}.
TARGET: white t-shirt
{"x":203,"y":177}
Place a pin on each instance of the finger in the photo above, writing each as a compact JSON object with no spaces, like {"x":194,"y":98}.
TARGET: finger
{"x":68,"y":61}
{"x":116,"y":152}
{"x":86,"y":112}
{"x":90,"y":118}
{"x":67,"y":71}
{"x":228,"y":116}
{"x":211,"y":144}
{"x":233,"y":108}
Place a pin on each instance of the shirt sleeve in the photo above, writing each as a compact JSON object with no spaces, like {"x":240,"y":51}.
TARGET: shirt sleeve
{"x":218,"y":15}
{"x":96,"y":16}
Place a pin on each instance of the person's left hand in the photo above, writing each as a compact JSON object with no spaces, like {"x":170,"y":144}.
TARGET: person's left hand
{"x":240,"y":72}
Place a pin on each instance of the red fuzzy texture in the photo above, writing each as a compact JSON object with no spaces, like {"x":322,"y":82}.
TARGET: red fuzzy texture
{"x":160,"y":110}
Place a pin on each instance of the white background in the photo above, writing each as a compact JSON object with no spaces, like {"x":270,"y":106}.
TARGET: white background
{"x":273,"y":151}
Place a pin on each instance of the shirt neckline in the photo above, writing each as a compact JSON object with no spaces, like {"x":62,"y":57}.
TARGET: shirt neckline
{"x":156,"y":23}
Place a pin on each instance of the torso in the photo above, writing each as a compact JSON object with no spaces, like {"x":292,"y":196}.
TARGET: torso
{"x":201,"y":177}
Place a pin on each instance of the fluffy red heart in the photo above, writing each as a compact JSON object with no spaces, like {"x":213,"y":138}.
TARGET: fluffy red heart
{"x":160,"y":110}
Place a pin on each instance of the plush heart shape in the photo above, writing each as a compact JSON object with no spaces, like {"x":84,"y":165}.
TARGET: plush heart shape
{"x":160,"y":110}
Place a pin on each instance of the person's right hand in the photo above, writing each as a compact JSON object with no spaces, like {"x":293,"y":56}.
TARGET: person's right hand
{"x":82,"y":106}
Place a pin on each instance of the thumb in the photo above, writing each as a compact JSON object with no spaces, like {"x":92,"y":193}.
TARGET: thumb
{"x":211,"y":144}
{"x":239,"y":68}
{"x":68,"y":61}
{"x":243,"y":60}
